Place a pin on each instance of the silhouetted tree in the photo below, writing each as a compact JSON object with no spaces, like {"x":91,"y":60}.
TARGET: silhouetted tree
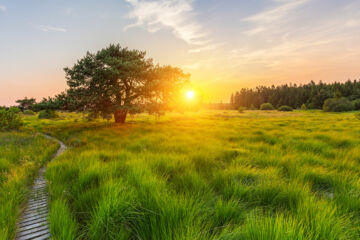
{"x":117,"y":80}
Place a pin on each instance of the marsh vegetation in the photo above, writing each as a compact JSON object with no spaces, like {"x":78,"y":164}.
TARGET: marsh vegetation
{"x":206,"y":175}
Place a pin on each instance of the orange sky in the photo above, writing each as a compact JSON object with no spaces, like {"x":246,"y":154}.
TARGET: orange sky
{"x":225,"y":45}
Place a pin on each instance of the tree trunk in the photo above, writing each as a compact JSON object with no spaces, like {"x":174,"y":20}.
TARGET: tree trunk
{"x":120,"y":116}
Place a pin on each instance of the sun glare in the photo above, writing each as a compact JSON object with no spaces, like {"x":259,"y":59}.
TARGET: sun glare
{"x":190,"y":95}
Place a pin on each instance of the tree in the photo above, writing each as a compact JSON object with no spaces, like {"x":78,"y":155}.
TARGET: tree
{"x":46,"y":104}
{"x":26,"y":103}
{"x":117,"y":80}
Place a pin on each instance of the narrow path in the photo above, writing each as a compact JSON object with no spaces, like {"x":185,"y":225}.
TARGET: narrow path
{"x":33,"y":223}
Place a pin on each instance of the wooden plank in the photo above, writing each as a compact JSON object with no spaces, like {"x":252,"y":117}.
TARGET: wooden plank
{"x":38,"y":205}
{"x":34,"y":235}
{"x":32,"y":226}
{"x":32,"y":214}
{"x":29,"y":223}
{"x":36,"y":210}
{"x":29,"y":219}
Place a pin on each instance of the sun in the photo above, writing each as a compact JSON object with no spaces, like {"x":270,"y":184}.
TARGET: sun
{"x":190,"y":95}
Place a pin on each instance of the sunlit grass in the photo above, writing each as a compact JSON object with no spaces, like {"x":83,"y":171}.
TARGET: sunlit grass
{"x":207,"y":175}
{"x":21,"y":155}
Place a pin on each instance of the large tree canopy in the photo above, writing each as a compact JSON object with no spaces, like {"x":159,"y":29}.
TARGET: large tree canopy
{"x":117,"y":80}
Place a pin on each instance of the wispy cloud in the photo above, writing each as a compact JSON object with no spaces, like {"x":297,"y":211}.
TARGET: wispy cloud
{"x":208,"y":47}
{"x":49,"y":28}
{"x":176,"y":15}
{"x":3,"y":8}
{"x":279,"y":12}
{"x":353,"y":23}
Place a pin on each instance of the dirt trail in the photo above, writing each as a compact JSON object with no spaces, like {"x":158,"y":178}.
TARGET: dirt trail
{"x":33,"y":224}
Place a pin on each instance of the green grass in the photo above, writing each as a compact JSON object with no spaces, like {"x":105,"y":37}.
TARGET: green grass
{"x":216,"y":175}
{"x":21,"y":155}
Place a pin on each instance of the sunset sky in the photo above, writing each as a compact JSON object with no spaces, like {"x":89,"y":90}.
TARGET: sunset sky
{"x":224,"y":44}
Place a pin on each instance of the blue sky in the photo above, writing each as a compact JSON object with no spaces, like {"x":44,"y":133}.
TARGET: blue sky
{"x":224,"y":44}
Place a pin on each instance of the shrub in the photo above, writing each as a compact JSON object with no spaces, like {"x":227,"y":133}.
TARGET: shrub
{"x":47,"y":114}
{"x":15,"y":109}
{"x":10,"y":119}
{"x":285,"y":109}
{"x":241,"y":109}
{"x":29,"y":112}
{"x":303,"y":107}
{"x":252,"y":107}
{"x":357,"y":116}
{"x":267,"y":106}
{"x":338,"y":105}
{"x":356,"y":104}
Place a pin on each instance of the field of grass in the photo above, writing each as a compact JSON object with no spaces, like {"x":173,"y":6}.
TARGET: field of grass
{"x":207,"y":175}
{"x":21,"y":155}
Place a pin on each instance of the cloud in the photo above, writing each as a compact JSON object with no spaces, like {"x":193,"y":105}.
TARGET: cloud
{"x":3,"y":8}
{"x":208,"y":47}
{"x":353,"y":23}
{"x":173,"y":14}
{"x":49,"y":28}
{"x":277,"y":13}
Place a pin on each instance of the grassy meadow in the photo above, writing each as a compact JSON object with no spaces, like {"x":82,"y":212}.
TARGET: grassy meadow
{"x":209,"y":175}
{"x":21,"y":155}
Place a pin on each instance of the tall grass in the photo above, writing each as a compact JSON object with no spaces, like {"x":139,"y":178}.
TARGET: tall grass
{"x":21,"y":155}
{"x":207,"y":175}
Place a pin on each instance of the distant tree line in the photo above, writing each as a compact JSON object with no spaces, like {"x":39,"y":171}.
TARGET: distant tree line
{"x":312,"y":95}
{"x":59,"y":102}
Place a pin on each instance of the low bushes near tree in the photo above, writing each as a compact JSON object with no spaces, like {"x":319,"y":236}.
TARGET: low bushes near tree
{"x":303,"y":107}
{"x":15,"y":109}
{"x":48,"y":114}
{"x":338,"y":105}
{"x":252,"y":107}
{"x":285,"y":109}
{"x":10,"y":119}
{"x":356,"y":104}
{"x":29,"y":112}
{"x":267,"y":106}
{"x":241,"y":109}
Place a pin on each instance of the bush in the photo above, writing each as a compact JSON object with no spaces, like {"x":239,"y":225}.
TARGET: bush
{"x":357,"y":116}
{"x":15,"y":109}
{"x":29,"y":112}
{"x":338,"y":105}
{"x":10,"y":119}
{"x":47,"y":114}
{"x":267,"y":106}
{"x":252,"y":107}
{"x":303,"y":107}
{"x":356,"y":104}
{"x":241,"y":109}
{"x":285,"y":109}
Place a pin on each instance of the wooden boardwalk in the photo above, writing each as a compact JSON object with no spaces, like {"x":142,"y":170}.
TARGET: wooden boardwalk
{"x":33,"y":223}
